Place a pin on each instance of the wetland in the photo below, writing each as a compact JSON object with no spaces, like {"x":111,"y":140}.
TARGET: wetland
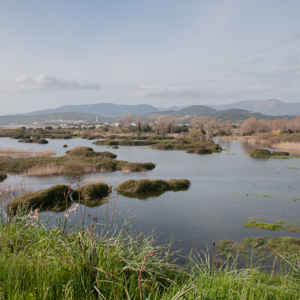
{"x":221,"y":199}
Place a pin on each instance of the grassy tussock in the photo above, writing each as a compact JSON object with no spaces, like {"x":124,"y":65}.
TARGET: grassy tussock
{"x":25,"y":153}
{"x":258,"y":153}
{"x":188,"y":144}
{"x":56,"y":195}
{"x":133,"y":186}
{"x":81,"y":151}
{"x":70,"y":164}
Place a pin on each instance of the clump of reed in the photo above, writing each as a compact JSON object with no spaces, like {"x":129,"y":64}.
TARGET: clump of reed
{"x":126,"y":170}
{"x":46,"y":170}
{"x":133,"y":186}
{"x":25,"y":153}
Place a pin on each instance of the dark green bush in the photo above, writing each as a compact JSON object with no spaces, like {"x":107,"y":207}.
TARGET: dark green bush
{"x":2,"y":177}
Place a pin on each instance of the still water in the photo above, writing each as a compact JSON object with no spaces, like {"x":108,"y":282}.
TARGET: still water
{"x":214,"y":208}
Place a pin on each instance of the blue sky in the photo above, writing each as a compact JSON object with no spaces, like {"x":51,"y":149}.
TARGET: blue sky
{"x":164,"y":53}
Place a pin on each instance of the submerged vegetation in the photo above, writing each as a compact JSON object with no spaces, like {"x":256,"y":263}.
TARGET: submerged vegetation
{"x":265,"y":246}
{"x":133,"y":186}
{"x":262,"y":225}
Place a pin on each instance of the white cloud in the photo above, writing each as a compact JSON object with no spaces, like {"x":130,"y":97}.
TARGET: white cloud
{"x":186,"y":91}
{"x":24,"y":83}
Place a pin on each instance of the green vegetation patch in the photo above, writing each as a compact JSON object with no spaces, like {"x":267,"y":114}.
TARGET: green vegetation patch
{"x":90,"y":192}
{"x":261,"y":245}
{"x":284,"y":244}
{"x":56,"y":195}
{"x":259,"y":153}
{"x":262,"y":225}
{"x":69,"y":164}
{"x":81,"y":151}
{"x":295,"y":199}
{"x":125,"y":143}
{"x":188,"y":144}
{"x":133,"y":186}
{"x":293,"y":168}
{"x":42,"y":198}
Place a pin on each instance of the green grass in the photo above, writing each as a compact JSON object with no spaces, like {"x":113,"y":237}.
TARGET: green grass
{"x":101,"y":262}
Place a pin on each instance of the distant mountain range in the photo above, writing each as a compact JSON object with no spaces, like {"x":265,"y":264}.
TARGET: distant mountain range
{"x":271,"y":107}
{"x":100,"y":109}
{"x":239,"y":111}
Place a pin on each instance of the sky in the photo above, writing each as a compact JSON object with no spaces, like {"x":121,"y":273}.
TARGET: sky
{"x":159,"y":52}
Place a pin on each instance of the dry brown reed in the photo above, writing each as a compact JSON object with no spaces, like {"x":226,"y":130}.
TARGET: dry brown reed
{"x":126,"y":170}
{"x":143,"y":172}
{"x":9,"y":191}
{"x":9,"y":151}
{"x":47,"y":170}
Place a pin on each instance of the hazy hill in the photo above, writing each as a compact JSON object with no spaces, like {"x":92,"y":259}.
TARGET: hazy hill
{"x":191,"y":110}
{"x":100,"y":109}
{"x":233,"y":114}
{"x":271,"y":107}
{"x":176,"y":108}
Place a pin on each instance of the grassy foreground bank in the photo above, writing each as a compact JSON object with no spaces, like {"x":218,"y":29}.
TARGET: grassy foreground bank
{"x":40,"y":262}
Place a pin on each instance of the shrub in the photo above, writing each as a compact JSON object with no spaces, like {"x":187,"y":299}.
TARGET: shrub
{"x":258,"y":153}
{"x":65,"y":146}
{"x":115,"y":147}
